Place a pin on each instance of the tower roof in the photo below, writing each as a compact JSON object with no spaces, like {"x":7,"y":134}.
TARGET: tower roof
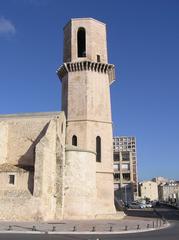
{"x":84,"y":19}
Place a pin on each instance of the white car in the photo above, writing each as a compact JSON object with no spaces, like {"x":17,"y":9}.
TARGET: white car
{"x":136,"y":205}
{"x":148,"y":205}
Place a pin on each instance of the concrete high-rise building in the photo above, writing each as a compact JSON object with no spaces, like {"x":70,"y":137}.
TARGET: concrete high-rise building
{"x":125,"y":167}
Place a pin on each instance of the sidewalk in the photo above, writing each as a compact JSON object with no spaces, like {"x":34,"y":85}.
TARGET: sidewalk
{"x":125,"y":225}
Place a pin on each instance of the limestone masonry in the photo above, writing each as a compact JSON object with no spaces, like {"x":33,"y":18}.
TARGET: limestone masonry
{"x":59,"y":165}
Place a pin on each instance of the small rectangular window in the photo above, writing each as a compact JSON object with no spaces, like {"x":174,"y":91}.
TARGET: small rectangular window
{"x":116,"y":157}
{"x":11,"y":179}
{"x":125,"y":156}
{"x":125,"y":166}
{"x":98,"y":58}
{"x":116,"y":176}
{"x":126,"y":176}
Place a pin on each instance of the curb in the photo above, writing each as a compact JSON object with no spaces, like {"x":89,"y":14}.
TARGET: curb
{"x":22,"y":232}
{"x":85,"y":232}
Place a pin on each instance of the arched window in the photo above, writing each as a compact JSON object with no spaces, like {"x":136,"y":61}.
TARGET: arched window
{"x":81,"y":39}
{"x":98,"y":149}
{"x":74,"y":140}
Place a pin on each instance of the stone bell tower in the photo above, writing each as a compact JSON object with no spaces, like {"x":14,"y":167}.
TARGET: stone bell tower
{"x":86,"y":77}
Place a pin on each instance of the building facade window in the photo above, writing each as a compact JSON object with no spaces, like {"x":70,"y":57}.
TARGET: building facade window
{"x":116,"y":167}
{"x":12,"y":179}
{"x":74,"y":140}
{"x":126,"y":166}
{"x":98,"y":58}
{"x":98,"y":149}
{"x":125,"y":156}
{"x":116,"y":157}
{"x":116,"y":176}
{"x":126,"y":176}
{"x":81,"y":39}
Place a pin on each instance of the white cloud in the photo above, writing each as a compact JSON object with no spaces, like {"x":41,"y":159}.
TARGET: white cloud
{"x":6,"y":27}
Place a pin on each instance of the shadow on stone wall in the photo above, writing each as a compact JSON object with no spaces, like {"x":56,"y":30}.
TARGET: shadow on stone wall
{"x":29,"y":157}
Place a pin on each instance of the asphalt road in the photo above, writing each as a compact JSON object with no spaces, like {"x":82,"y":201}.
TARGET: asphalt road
{"x":171,"y":233}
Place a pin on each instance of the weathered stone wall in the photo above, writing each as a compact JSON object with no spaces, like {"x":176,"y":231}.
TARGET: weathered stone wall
{"x":45,"y":164}
{"x":89,"y":116}
{"x":87,"y":96}
{"x":24,"y":131}
{"x":95,"y":40}
{"x":23,"y":135}
{"x":105,"y":193}
{"x":48,"y":179}
{"x":86,"y":102}
{"x":80,"y":184}
{"x":21,"y":207}
{"x":60,"y":167}
{"x":3,"y":142}
{"x":45,"y":202}
{"x":21,"y":181}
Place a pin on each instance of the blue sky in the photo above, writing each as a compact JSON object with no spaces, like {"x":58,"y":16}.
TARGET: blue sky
{"x":143,"y":43}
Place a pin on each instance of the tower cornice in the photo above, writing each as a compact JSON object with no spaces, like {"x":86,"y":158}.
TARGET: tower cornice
{"x":83,"y":19}
{"x":87,"y":66}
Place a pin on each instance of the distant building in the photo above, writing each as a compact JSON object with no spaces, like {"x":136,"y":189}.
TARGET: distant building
{"x":148,"y":189}
{"x":160,"y":180}
{"x":125,"y":168}
{"x":169,"y":192}
{"x":177,"y":199}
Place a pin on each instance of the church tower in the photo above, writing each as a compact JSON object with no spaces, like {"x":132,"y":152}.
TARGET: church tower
{"x":86,"y":77}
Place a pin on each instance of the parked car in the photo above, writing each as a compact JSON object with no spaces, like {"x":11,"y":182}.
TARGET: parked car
{"x":136,"y":205}
{"x":148,"y":205}
{"x":155,"y":203}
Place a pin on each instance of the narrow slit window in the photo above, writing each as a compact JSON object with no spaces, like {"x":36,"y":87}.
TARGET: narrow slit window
{"x":12,"y":179}
{"x":74,"y":140}
{"x":98,"y":149}
{"x":81,"y":38}
{"x":62,"y":128}
{"x":98,"y":58}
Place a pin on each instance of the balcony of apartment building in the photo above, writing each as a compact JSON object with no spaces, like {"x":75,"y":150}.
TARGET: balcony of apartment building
{"x":125,"y":155}
{"x":121,"y":167}
{"x":125,"y":167}
{"x":117,"y":178}
{"x":116,"y":156}
{"x":116,"y":169}
{"x":126,"y":178}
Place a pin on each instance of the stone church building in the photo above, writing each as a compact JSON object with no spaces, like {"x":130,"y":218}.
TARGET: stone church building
{"x":59,"y":165}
